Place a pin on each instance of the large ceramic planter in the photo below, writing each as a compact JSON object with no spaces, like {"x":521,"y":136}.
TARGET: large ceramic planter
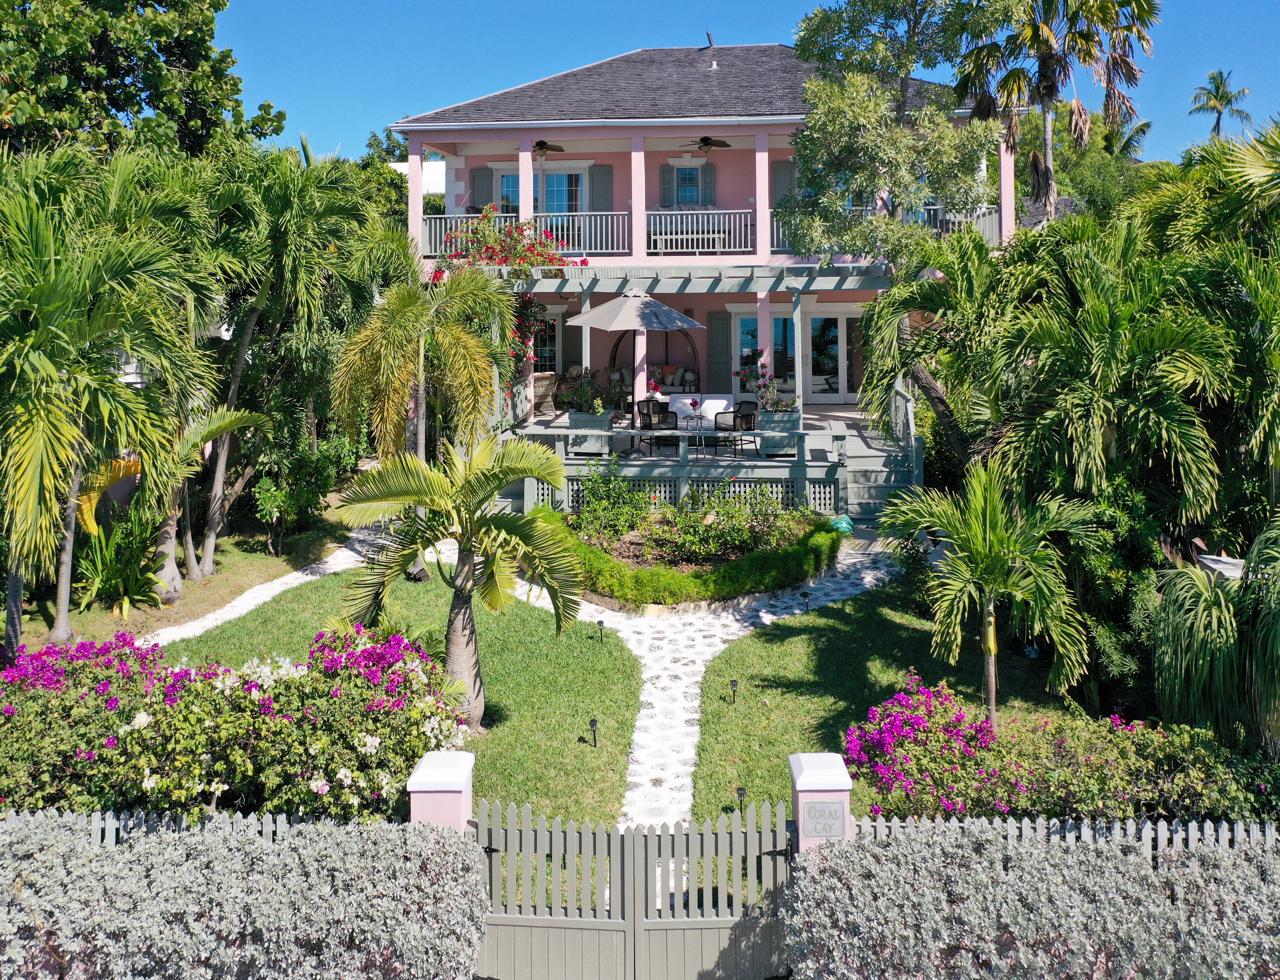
{"x":590,"y":443}
{"x":787,"y":422}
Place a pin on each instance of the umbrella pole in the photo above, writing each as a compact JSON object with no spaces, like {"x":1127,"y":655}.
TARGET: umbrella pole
{"x":640,"y":358}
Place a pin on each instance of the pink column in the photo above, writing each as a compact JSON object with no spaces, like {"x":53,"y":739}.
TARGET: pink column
{"x":440,"y":790}
{"x":1008,"y":209}
{"x":639,"y":235}
{"x":526,"y":179}
{"x":764,"y":329}
{"x":415,"y":190}
{"x":640,"y":364}
{"x":820,"y":786}
{"x":764,"y":215}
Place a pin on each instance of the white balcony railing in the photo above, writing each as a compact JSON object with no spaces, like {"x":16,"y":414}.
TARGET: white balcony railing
{"x":436,"y":229}
{"x":698,"y":232}
{"x":587,"y":233}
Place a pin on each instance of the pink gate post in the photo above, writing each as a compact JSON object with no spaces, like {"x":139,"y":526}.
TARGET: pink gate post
{"x":820,"y":786}
{"x":440,"y":789}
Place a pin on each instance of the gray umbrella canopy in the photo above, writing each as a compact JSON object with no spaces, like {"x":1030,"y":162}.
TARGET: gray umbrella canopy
{"x":634,"y":310}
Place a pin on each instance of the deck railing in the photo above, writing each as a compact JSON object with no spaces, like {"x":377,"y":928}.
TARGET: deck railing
{"x":699,"y":232}
{"x":588,"y":233}
{"x":436,"y":229}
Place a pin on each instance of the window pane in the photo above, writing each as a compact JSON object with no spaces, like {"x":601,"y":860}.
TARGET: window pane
{"x":853,"y":355}
{"x":687,"y":185}
{"x":824,"y":355}
{"x":748,"y":349}
{"x":784,"y":353}
{"x":544,"y":346}
{"x":564,"y":193}
{"x":510,"y":194}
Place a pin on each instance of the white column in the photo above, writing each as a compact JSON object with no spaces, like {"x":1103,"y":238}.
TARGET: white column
{"x":639,"y":234}
{"x":764,"y":329}
{"x":1008,"y":194}
{"x":526,"y":179}
{"x":415,"y":190}
{"x":800,"y":329}
{"x":586,"y":334}
{"x":763,"y":216}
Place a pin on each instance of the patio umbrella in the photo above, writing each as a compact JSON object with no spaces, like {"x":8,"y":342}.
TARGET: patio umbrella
{"x":639,"y":312}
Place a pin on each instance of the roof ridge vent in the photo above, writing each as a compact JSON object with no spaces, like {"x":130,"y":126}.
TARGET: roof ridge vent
{"x":714,"y":65}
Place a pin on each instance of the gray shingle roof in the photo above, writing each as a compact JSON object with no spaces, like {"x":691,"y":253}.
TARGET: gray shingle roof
{"x":655,"y":83}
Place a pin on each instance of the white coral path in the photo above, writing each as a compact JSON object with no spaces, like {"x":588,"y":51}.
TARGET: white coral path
{"x":674,"y":651}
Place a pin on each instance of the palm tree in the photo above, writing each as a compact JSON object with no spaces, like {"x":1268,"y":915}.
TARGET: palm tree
{"x":997,"y":549}
{"x":311,"y":213}
{"x":1126,"y":141}
{"x":1217,"y":653}
{"x":87,"y":313}
{"x":455,"y":501}
{"x":442,"y":337}
{"x":1108,"y":360}
{"x":1034,"y":57}
{"x":935,"y":325}
{"x":1219,"y":99}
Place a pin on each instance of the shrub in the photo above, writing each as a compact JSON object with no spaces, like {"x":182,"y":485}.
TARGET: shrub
{"x":722,"y":524}
{"x":120,"y":565}
{"x":923,"y":753}
{"x":761,"y":571}
{"x":611,"y":505}
{"x":114,"y":726}
{"x":948,"y":902}
{"x":372,"y":900}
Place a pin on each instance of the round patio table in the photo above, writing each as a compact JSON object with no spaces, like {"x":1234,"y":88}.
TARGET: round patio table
{"x":698,"y":424}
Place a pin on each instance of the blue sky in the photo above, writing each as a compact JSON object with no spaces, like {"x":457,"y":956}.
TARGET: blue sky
{"x":340,"y":69}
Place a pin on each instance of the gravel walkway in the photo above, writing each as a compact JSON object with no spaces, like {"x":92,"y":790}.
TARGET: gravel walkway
{"x":674,"y":651}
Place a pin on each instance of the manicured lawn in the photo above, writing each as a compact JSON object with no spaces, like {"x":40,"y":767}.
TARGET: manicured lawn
{"x":541,"y":691}
{"x":804,"y":680}
{"x":242,"y":561}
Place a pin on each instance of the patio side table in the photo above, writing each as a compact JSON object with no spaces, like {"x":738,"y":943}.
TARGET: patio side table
{"x":697,"y":424}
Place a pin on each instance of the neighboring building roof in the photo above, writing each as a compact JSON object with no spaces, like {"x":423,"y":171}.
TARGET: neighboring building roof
{"x":745,"y":80}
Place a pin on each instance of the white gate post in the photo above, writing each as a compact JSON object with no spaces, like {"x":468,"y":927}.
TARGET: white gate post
{"x":820,"y":786}
{"x":440,"y":790}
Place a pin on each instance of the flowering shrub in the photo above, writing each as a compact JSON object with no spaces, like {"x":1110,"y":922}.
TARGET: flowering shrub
{"x":488,"y":241}
{"x":115,"y":726}
{"x":376,"y":900}
{"x":923,"y":753}
{"x":758,"y":378}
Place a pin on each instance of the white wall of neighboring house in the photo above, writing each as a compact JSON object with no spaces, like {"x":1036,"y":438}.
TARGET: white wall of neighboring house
{"x":432,"y":175}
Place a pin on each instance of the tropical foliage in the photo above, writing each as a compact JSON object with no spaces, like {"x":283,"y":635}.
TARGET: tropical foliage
{"x":1217,"y":98}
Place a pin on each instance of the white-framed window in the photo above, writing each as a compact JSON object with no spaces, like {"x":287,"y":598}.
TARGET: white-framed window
{"x":564,"y":193}
{"x":509,"y":193}
{"x":546,"y":345}
{"x":688,"y":185}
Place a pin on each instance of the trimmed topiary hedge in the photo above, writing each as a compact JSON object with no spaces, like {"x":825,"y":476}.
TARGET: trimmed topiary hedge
{"x":761,"y":571}
{"x":369,"y":900}
{"x":948,"y":902}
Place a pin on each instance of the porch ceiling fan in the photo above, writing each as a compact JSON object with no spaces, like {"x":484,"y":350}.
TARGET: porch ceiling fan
{"x":542,"y":148}
{"x":707,"y":143}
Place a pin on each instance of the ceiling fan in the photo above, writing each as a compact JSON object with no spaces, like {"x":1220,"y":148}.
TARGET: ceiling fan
{"x":707,"y":143}
{"x":542,"y":148}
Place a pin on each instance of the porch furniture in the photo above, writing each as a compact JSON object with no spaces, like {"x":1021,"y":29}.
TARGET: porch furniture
{"x":654,"y":416}
{"x":739,"y":423}
{"x":544,"y":392}
{"x":699,"y":425}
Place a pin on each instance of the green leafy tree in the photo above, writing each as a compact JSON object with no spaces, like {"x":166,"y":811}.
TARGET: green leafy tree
{"x":456,"y":502}
{"x":888,"y":39}
{"x":998,"y":550}
{"x":1218,"y":652}
{"x":101,"y":73}
{"x":1033,"y":56}
{"x":854,"y":159}
{"x":1108,"y":362}
{"x":432,"y":345}
{"x":1217,"y":98}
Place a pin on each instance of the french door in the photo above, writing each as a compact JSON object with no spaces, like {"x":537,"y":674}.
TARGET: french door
{"x":833,"y":360}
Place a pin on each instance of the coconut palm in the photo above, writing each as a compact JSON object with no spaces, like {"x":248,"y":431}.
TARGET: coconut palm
{"x":1217,"y":652}
{"x":998,"y":550}
{"x":936,"y":326}
{"x":311,"y":214}
{"x":1126,"y":140}
{"x":441,"y":337}
{"x":456,"y":501}
{"x":1033,"y":57}
{"x":1217,"y":98}
{"x":1108,"y":360}
{"x":87,"y":311}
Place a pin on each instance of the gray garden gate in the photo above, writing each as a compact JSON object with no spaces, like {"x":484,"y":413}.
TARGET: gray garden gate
{"x":687,"y":902}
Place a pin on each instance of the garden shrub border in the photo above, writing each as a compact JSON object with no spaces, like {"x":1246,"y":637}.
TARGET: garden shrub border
{"x":761,"y":571}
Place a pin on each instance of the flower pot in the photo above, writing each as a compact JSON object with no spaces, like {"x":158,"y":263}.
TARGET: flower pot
{"x":787,"y":422}
{"x":590,"y":444}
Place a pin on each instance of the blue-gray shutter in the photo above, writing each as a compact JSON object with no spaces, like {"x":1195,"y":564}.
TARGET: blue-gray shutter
{"x":667,"y":185}
{"x":600,"y":187}
{"x":782,"y":181}
{"x":481,"y":186}
{"x":708,"y":197}
{"x":570,"y":345}
{"x":719,"y":353}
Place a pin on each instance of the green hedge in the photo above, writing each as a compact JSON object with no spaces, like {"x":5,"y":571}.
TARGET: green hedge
{"x":761,"y":571}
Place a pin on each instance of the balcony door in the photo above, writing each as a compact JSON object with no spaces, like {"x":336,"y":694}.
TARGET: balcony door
{"x":833,"y":360}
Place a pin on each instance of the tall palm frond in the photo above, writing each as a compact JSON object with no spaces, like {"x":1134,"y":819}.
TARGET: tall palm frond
{"x":1217,"y":98}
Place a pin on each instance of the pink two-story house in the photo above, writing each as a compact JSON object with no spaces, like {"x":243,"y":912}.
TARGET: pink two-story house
{"x":661,"y":167}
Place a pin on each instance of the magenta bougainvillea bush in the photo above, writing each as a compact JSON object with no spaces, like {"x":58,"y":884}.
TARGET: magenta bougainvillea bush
{"x":924,"y":753}
{"x":115,"y":725}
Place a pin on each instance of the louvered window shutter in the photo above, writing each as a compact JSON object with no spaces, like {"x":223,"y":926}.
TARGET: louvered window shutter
{"x":667,"y":185}
{"x":600,"y":191}
{"x":481,"y":186}
{"x":708,"y":197}
{"x":782,"y":181}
